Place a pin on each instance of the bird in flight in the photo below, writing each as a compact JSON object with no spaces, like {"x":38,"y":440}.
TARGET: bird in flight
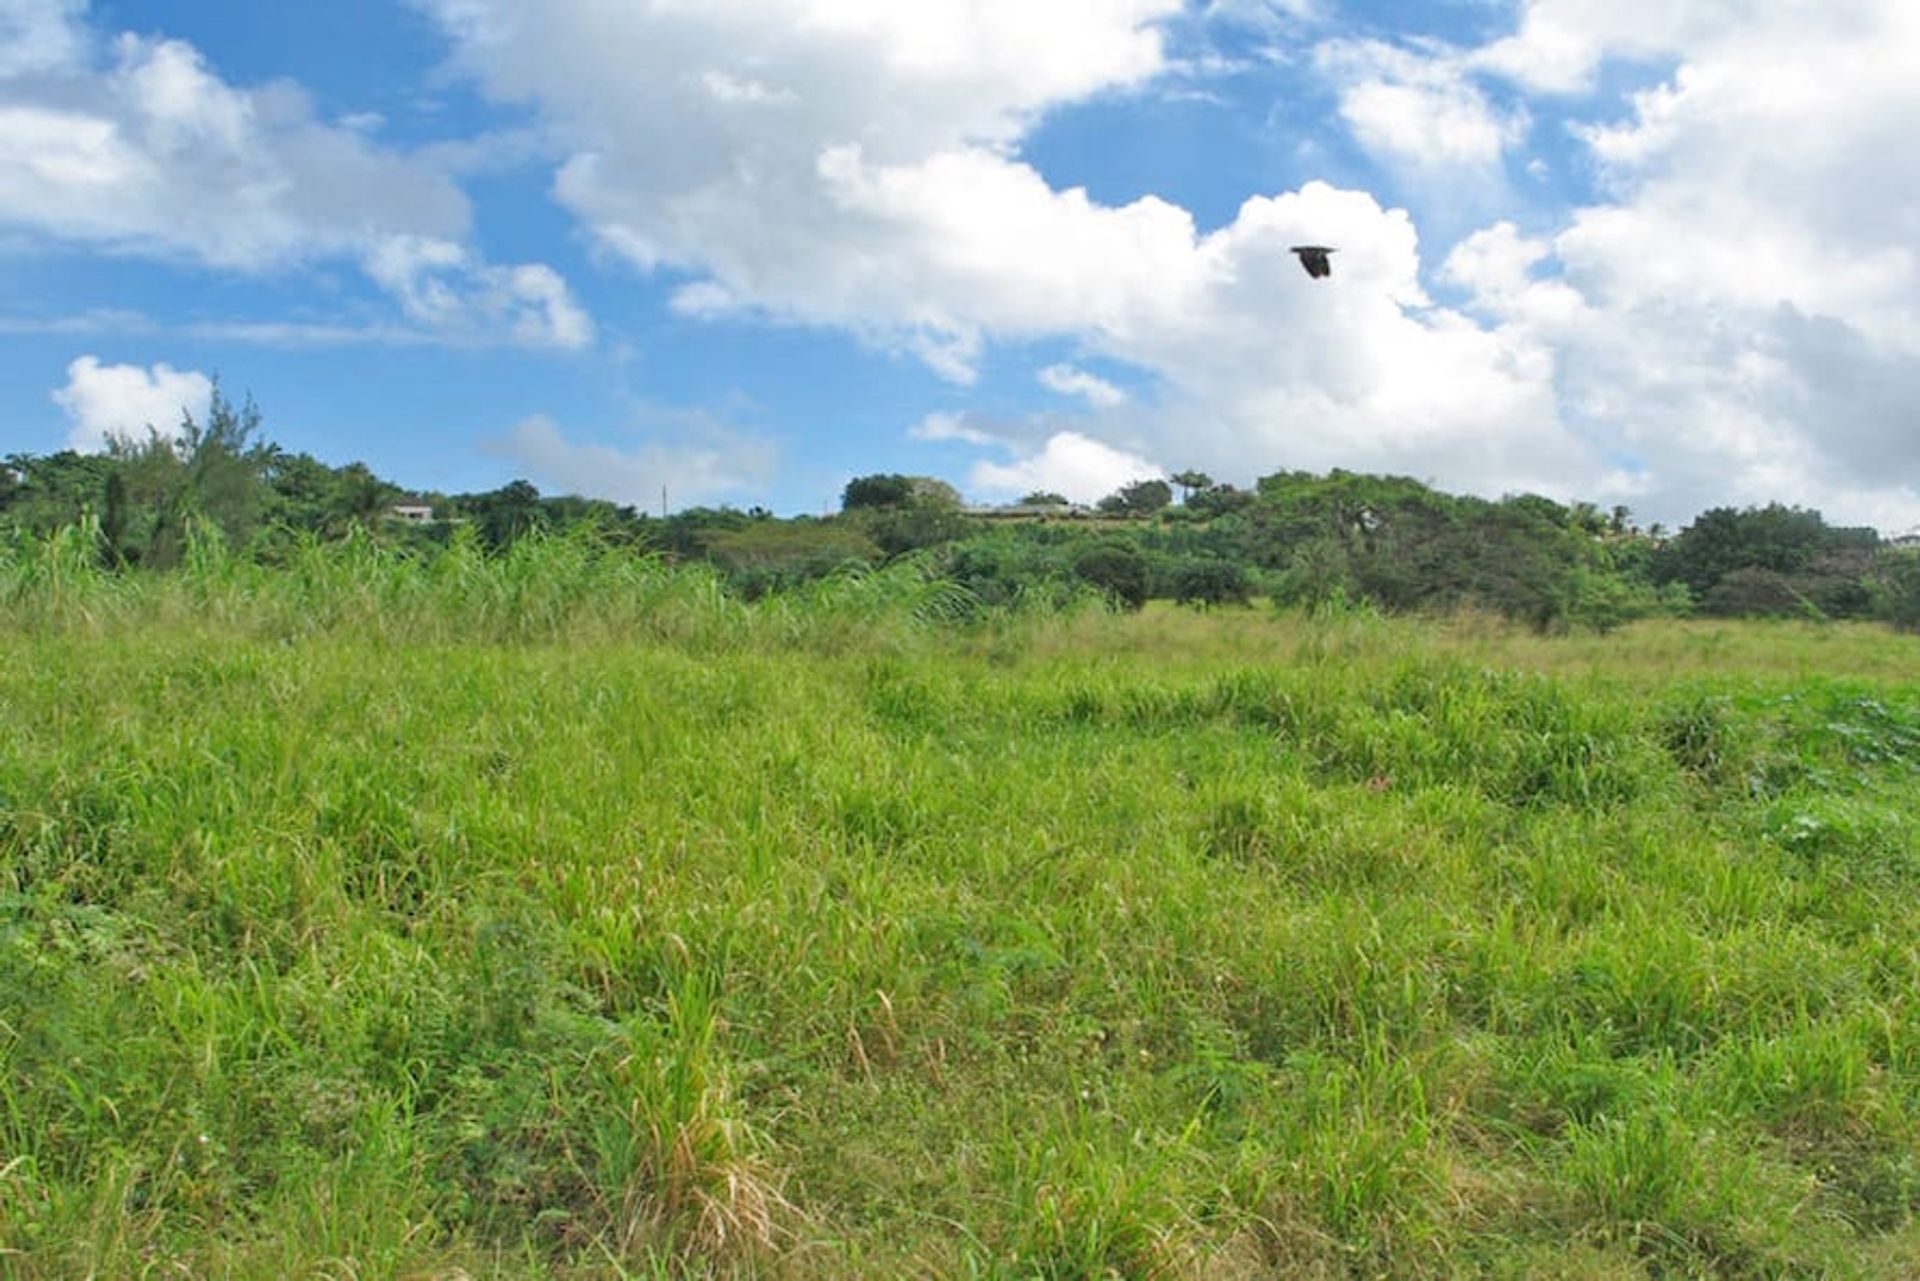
{"x":1314,"y":259}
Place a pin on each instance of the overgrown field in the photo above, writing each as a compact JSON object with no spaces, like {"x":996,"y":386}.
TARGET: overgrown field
{"x":373,"y":921}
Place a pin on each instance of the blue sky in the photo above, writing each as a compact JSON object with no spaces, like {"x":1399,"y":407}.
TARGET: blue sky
{"x":1657,"y":255}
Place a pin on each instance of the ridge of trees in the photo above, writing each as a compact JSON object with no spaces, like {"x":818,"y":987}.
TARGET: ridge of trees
{"x":1334,"y":540}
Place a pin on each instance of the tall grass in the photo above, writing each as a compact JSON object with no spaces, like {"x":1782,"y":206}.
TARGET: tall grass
{"x":559,"y":914}
{"x":545,"y":587}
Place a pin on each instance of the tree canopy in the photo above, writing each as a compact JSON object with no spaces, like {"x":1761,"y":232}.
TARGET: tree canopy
{"x":1295,"y":537}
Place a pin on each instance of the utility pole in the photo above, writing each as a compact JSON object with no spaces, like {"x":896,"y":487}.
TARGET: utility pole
{"x":663,"y":502}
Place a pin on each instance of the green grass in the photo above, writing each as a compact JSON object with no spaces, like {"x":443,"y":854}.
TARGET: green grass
{"x":563,"y":916}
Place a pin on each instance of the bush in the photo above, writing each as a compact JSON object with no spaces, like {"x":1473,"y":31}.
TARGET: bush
{"x":1894,"y":587}
{"x":1116,"y":569}
{"x":1211,"y":582}
{"x":1755,"y":591}
{"x":1142,"y":498}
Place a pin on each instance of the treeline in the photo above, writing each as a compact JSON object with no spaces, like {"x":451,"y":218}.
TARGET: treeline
{"x":1332,"y":541}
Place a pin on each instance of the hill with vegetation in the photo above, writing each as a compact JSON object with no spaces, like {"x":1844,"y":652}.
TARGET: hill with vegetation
{"x":549,"y":889}
{"x":1294,"y":538}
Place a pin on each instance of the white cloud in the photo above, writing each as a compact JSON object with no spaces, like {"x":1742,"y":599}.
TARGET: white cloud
{"x":1083,"y":469}
{"x":884,"y":200}
{"x":854,"y":164}
{"x":37,"y":36}
{"x":1741,"y":316}
{"x":152,"y":153}
{"x":707,"y":464}
{"x":1561,"y":44}
{"x":105,"y":401}
{"x":1418,"y":108}
{"x":803,"y":157}
{"x":158,"y":155}
{"x":1497,"y":264}
{"x":1070,"y":381}
{"x":439,"y":284}
{"x":937,"y":427}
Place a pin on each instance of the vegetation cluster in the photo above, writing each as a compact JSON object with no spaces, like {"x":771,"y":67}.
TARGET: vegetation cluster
{"x":1319,"y":542}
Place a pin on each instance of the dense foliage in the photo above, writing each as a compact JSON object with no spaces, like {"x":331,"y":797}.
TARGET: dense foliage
{"x":1319,"y":542}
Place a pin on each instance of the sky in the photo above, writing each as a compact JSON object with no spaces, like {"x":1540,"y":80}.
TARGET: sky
{"x":1658,"y":253}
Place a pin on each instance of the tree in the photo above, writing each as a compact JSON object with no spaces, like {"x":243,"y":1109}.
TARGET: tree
{"x":1770,"y":559}
{"x":301,"y":487}
{"x":898,"y":530}
{"x":692,"y":531}
{"x":1191,"y":481}
{"x":52,"y":491}
{"x":1723,"y":540}
{"x":1754,"y":591}
{"x":1210,"y":581}
{"x":931,"y":491}
{"x":1217,"y":500}
{"x":213,"y":471}
{"x":1044,"y":498}
{"x":1894,"y":582}
{"x":1400,"y":545}
{"x":359,"y":497}
{"x":877,"y":491}
{"x":224,"y":463}
{"x":902,"y":513}
{"x":1118,"y":569}
{"x":507,"y":514}
{"x":1142,"y":498}
{"x":113,"y":524}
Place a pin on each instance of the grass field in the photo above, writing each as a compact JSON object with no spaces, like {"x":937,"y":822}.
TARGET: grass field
{"x":551,"y":917}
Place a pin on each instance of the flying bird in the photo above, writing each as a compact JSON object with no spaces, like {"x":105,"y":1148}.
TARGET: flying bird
{"x":1314,"y":259}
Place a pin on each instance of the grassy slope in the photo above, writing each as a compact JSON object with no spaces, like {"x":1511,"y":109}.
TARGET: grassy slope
{"x":1168,"y":944}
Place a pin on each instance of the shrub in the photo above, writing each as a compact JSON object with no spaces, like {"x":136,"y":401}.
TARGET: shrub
{"x":1211,"y":582}
{"x":1755,"y":591}
{"x":1116,"y":569}
{"x":1894,"y":586}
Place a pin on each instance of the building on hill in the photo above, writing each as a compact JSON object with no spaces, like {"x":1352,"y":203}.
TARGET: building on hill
{"x":414,"y":513}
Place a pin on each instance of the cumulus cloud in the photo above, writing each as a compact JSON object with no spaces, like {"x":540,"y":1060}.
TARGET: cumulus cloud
{"x":806,"y":160}
{"x":1083,"y":469}
{"x":1740,"y":317}
{"x":150,"y":152}
{"x":1419,"y":108}
{"x":157,"y":154}
{"x":707,"y":464}
{"x":440,"y":284}
{"x":883,"y":199}
{"x":856,"y":165}
{"x":1561,"y":44}
{"x":106,"y":401}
